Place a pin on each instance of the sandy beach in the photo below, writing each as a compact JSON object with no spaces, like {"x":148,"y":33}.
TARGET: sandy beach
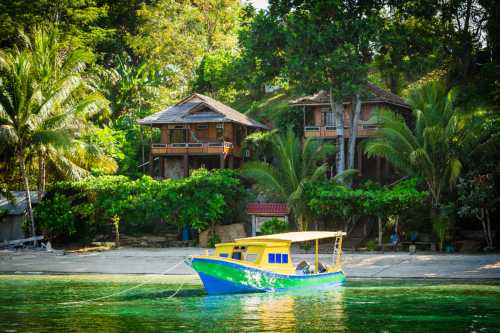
{"x":169,"y":261}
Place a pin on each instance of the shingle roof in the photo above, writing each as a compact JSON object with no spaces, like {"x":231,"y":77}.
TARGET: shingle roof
{"x":375,"y":95}
{"x":184,"y":112}
{"x":19,"y":205}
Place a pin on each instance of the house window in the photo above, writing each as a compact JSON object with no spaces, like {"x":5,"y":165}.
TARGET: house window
{"x":219,"y":132}
{"x":178,"y":135}
{"x":239,"y":135}
{"x":202,"y":131}
{"x":328,"y":118}
{"x":309,"y":117}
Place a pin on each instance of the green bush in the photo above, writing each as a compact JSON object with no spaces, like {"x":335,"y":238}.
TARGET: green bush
{"x":55,"y":217}
{"x":274,"y":226}
{"x":371,"y":245}
{"x":214,"y":239}
{"x":204,"y":198}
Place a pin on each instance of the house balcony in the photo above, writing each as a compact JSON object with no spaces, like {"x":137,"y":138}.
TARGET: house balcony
{"x":364,"y":131}
{"x":194,"y":148}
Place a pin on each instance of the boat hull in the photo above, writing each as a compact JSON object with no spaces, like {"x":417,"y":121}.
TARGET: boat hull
{"x":224,"y":277}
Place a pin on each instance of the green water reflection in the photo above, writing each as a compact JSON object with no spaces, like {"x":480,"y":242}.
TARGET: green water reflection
{"x":32,"y":304}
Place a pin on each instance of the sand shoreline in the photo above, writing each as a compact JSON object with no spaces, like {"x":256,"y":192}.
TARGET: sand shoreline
{"x":143,"y":261}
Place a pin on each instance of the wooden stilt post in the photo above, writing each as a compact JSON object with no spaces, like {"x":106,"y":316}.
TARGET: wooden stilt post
{"x":151,"y":161}
{"x":142,"y":151}
{"x":186,"y":165}
{"x":221,"y":161}
{"x":162,"y":167}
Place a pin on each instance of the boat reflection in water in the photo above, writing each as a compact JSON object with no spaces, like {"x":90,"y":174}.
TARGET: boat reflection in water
{"x":279,"y":312}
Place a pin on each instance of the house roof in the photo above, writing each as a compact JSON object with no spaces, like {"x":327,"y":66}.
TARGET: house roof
{"x":295,"y":236}
{"x":18,"y":205}
{"x":375,"y":95}
{"x":267,"y":209}
{"x":199,"y":108}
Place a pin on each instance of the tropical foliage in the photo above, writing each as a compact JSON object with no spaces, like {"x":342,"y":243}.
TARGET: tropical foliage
{"x":478,"y":199}
{"x":429,"y":150}
{"x":292,"y":167}
{"x":75,"y":76}
{"x":335,"y":202}
{"x":274,"y":226}
{"x":86,"y":208}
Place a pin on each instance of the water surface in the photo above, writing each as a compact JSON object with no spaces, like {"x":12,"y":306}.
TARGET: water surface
{"x":39,"y":303}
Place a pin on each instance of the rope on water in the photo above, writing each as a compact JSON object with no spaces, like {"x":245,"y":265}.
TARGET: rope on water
{"x":131,"y":288}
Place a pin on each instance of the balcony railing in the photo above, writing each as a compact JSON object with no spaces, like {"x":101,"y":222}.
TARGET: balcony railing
{"x":364,"y":130}
{"x":192,"y":148}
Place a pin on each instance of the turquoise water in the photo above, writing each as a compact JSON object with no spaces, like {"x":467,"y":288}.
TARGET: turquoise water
{"x":33,"y":303}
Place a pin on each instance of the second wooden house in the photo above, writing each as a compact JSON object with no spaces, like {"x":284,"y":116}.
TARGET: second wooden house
{"x":198,"y":131}
{"x":320,"y":122}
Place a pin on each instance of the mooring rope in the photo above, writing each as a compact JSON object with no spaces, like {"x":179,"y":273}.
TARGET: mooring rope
{"x":131,"y":288}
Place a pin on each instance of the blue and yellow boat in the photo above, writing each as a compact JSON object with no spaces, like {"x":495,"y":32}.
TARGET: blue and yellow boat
{"x":264,"y":264}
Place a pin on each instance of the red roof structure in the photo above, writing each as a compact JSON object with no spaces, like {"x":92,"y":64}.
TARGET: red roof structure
{"x":267,"y":209}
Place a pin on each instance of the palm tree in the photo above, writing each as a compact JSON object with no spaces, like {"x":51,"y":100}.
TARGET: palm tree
{"x":59,"y":72}
{"x":20,"y":100}
{"x":31,"y":120}
{"x":429,"y":150}
{"x":293,"y":166}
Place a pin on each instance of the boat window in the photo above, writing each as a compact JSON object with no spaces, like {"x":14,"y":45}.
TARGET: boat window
{"x":236,"y":255}
{"x":278,"y":258}
{"x":223,"y":255}
{"x":252,"y":257}
{"x":270,"y":258}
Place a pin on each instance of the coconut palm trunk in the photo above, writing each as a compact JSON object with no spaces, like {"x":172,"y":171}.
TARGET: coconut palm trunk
{"x":41,"y":174}
{"x":22,"y":166}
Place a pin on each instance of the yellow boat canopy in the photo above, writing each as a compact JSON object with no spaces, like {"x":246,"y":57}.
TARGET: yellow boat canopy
{"x":295,"y":237}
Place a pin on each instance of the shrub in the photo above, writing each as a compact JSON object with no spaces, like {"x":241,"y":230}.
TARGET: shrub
{"x":274,"y":226}
{"x":204,"y":198}
{"x":371,"y":245}
{"x":55,"y":217}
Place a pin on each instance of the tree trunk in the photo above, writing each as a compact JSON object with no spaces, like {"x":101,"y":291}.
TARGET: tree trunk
{"x":355,"y":113}
{"x":142,"y":152}
{"x":20,"y":156}
{"x":338,"y":109}
{"x":488,"y":229}
{"x":301,"y":222}
{"x":41,"y":175}
{"x":379,"y":231}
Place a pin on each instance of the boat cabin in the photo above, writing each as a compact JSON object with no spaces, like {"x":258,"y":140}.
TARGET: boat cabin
{"x":273,"y":252}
